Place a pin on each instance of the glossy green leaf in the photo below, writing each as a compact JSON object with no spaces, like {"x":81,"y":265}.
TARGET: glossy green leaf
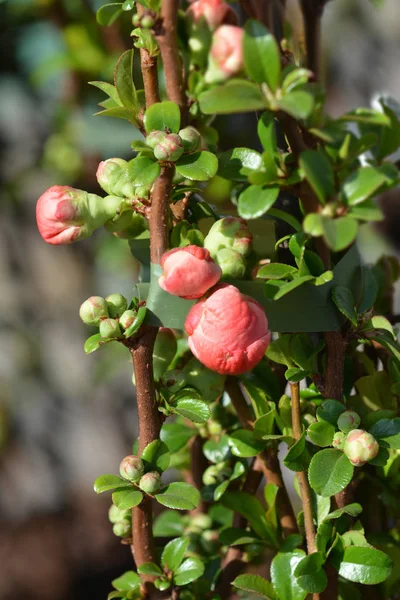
{"x":176,"y":435}
{"x":276,"y":271}
{"x":109,"y":13}
{"x":299,"y":104}
{"x":267,"y":133}
{"x":124,"y":80}
{"x":330,"y":472}
{"x":387,"y":431}
{"x":251,"y":508}
{"x":234,"y":97}
{"x":217,"y":451}
{"x":93,"y":343}
{"x":256,"y":585}
{"x":366,"y":115}
{"x":150,"y":568}
{"x":344,"y":300}
{"x":261,"y":55}
{"x":127,"y":498}
{"x":282,"y":575}
{"x":128,"y":581}
{"x":339,"y":233}
{"x":108,"y":89}
{"x":362,"y":184}
{"x":244,"y":444}
{"x":295,"y":78}
{"x":143,"y":171}
{"x":174,"y":553}
{"x":163,"y":116}
{"x":199,"y":166}
{"x":238,"y":163}
{"x":256,"y":200}
{"x":310,"y":575}
{"x":120,"y":112}
{"x":181,"y":496}
{"x":286,"y":217}
{"x":191,"y":569}
{"x":321,"y":433}
{"x":353,"y":510}
{"x":137,"y":323}
{"x":292,"y":285}
{"x":318,"y":171}
{"x":298,"y":457}
{"x":191,"y":408}
{"x":330,"y":411}
{"x":105,"y":483}
{"x":365,"y":565}
{"x":279,"y":351}
{"x":168,"y":524}
{"x":156,"y":456}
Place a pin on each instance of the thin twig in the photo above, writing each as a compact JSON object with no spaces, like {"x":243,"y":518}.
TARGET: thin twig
{"x":173,"y":67}
{"x":159,"y":231}
{"x":312,"y":13}
{"x":149,"y":72}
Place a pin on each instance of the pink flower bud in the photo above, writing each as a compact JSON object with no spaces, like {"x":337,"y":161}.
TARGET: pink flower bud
{"x":215,"y":12}
{"x":348,"y":420}
{"x":93,"y":310}
{"x":226,"y":55}
{"x":228,"y":331}
{"x":131,"y":468}
{"x":170,"y":148}
{"x":150,"y":483}
{"x":65,"y":215}
{"x":339,"y":440}
{"x":188,"y":272}
{"x":360,"y":447}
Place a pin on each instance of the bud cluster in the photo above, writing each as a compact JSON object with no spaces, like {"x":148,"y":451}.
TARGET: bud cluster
{"x":229,"y":242}
{"x":169,"y":147}
{"x":145,"y":21}
{"x":359,"y":446}
{"x":121,"y":520}
{"x":111,"y":315}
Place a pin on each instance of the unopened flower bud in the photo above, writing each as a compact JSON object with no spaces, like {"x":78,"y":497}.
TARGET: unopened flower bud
{"x":232,"y":233}
{"x":191,"y":139}
{"x":150,"y":483}
{"x":155,"y":137}
{"x":127,"y":318}
{"x":109,"y":328}
{"x":147,"y":22}
{"x":233,"y":264}
{"x":116,"y":515}
{"x":201,"y":521}
{"x":65,"y":214}
{"x":93,"y":310}
{"x":169,"y":149}
{"x":214,"y":427}
{"x":339,"y":440}
{"x":116,"y":304}
{"x":348,"y":420}
{"x":113,"y":177}
{"x":360,"y":447}
{"x":122,"y":529}
{"x":226,"y":55}
{"x":131,"y":468}
{"x":136,"y":19}
{"x":214,"y":12}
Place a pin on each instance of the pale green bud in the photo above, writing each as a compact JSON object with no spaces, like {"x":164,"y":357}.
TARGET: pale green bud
{"x":131,"y":468}
{"x":348,"y":420}
{"x":116,"y":304}
{"x":154,"y":138}
{"x":127,"y":318}
{"x":123,"y":529}
{"x":169,"y":149}
{"x":338,"y":440}
{"x":360,"y":447}
{"x":109,"y":328}
{"x":191,"y":139}
{"x":232,"y":264}
{"x":93,"y":310}
{"x":116,"y":515}
{"x":150,"y":483}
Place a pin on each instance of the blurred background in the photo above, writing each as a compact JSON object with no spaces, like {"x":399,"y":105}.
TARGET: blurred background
{"x":66,"y":418}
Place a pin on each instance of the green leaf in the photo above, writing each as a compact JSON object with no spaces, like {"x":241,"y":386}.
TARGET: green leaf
{"x":345,"y":301}
{"x":298,"y":457}
{"x":128,"y":581}
{"x":330,"y":472}
{"x":292,"y":285}
{"x":276,"y":271}
{"x":168,"y":524}
{"x":321,"y":433}
{"x":137,"y":323}
{"x":93,"y":343}
{"x":174,"y":553}
{"x":330,"y":411}
{"x":388,"y":432}
{"x":318,"y":171}
{"x":162,"y":584}
{"x":282,"y":575}
{"x":244,"y":444}
{"x":351,"y":509}
{"x":143,"y":171}
{"x":266,"y":133}
{"x":366,"y":115}
{"x":181,"y":496}
{"x":279,"y":351}
{"x":256,"y":200}
{"x":339,"y":233}
{"x":127,"y":498}
{"x":199,"y":166}
{"x":163,"y":116}
{"x":255,"y":584}
{"x":109,"y":13}
{"x":119,"y":112}
{"x":124,"y":80}
{"x":389,"y":136}
{"x":310,"y":574}
{"x":105,"y":483}
{"x":286,"y":217}
{"x":108,"y":89}
{"x":190,"y":570}
{"x":156,"y":456}
{"x":365,"y":565}
{"x":252,"y":510}
{"x":234,"y":97}
{"x":217,"y":451}
{"x":379,"y":322}
{"x":176,"y":435}
{"x":191,"y":408}
{"x":261,"y":55}
{"x":299,"y":104}
{"x":362,"y":184}
{"x":295,"y":78}
{"x":237,"y":164}
{"x":150,"y":568}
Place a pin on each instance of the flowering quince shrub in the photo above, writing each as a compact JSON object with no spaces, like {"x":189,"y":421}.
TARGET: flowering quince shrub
{"x":250,"y":330}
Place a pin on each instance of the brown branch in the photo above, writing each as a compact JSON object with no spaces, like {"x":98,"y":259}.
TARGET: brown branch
{"x":149,"y":72}
{"x":336,"y":345}
{"x":159,"y":230}
{"x":173,"y":67}
{"x":305,"y":490}
{"x":198,"y":464}
{"x":268,"y":459}
{"x":312,"y":13}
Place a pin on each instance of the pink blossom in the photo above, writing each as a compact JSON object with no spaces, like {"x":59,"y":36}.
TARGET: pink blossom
{"x":226,"y":55}
{"x":228,"y":331}
{"x":215,"y":12}
{"x":57,"y":215}
{"x":188,"y":272}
